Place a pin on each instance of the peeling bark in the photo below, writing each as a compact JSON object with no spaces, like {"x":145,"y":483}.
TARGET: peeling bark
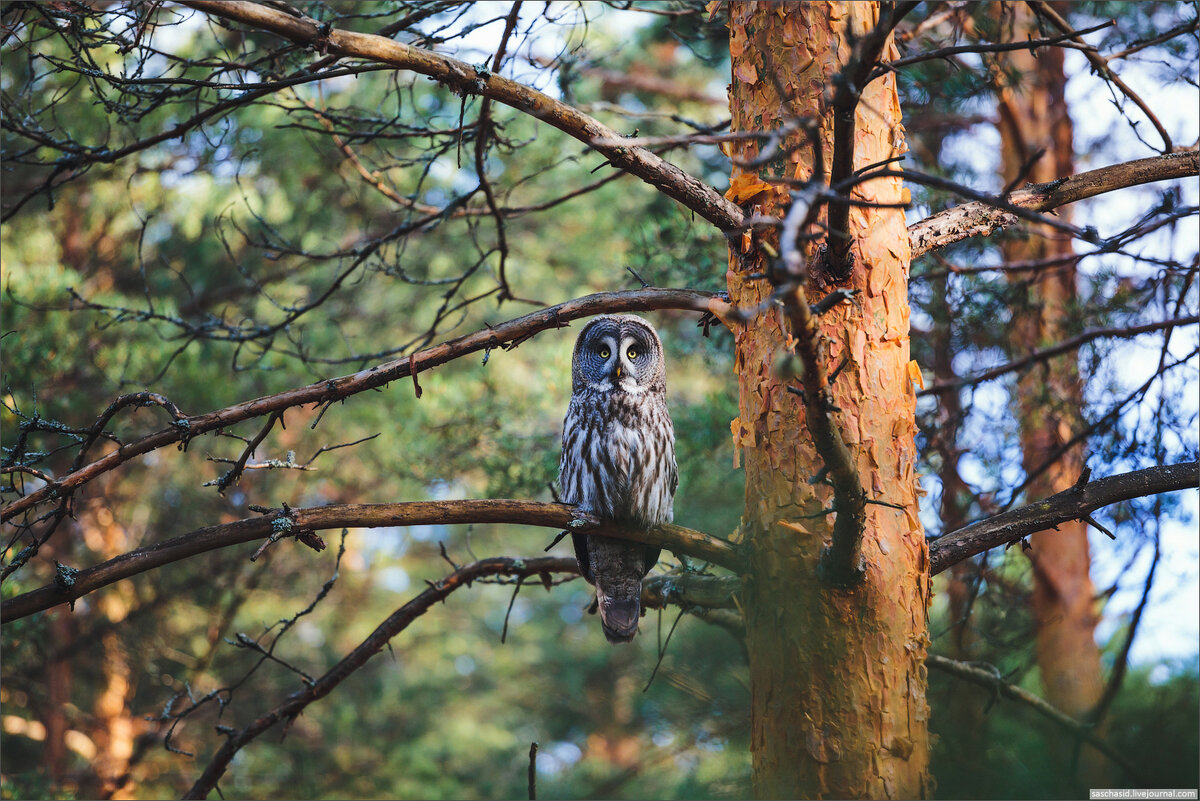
{"x":837,"y":676}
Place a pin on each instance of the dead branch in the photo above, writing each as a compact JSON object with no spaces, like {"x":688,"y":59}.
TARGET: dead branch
{"x":506,"y":335}
{"x":399,"y":620}
{"x":302,"y":521}
{"x":1076,"y":503}
{"x":849,"y":85}
{"x":841,"y":564}
{"x":1100,"y":65}
{"x":1065,"y":346}
{"x":1000,"y":47}
{"x":467,"y":80}
{"x":982,"y":219}
{"x":988,"y":676}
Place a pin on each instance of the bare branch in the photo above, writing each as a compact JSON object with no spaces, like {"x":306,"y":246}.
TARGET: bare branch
{"x":1072,"y":504}
{"x":373,"y":644}
{"x":306,"y":520}
{"x":1055,"y":350}
{"x":1121,"y":661}
{"x":506,"y":335}
{"x":465,"y":79}
{"x":982,"y":219}
{"x":1100,"y":65}
{"x":841,"y":563}
{"x":989,"y":677}
{"x":1001,"y":47}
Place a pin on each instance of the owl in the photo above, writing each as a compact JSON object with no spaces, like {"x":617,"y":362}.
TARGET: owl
{"x":618,"y":458}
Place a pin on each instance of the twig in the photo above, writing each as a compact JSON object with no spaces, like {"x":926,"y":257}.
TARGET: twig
{"x":1003,"y":47}
{"x":989,"y":677}
{"x":399,"y":620}
{"x":1100,"y":64}
{"x":511,"y":601}
{"x":1063,"y":347}
{"x":532,"y":774}
{"x":1121,"y":662}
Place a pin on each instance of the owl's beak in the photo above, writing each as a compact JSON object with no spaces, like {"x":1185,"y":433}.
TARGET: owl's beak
{"x":618,"y":370}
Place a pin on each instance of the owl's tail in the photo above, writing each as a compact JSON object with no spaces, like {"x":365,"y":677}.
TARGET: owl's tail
{"x":619,"y":616}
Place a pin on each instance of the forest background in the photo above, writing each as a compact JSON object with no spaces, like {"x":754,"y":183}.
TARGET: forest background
{"x":275,"y":238}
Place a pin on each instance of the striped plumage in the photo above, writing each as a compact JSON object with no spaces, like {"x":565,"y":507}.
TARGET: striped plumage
{"x":618,"y":458}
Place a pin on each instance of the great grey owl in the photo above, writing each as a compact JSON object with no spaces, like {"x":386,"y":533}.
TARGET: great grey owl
{"x":618,"y":458}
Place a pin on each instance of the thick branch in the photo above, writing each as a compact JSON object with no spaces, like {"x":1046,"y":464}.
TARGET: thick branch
{"x":505,"y":335}
{"x":690,"y":589}
{"x":551,"y":515}
{"x":982,"y":219}
{"x":467,"y":80}
{"x":987,"y":676}
{"x":1072,"y":504}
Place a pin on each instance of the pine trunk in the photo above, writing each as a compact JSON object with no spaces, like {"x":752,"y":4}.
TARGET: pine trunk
{"x":837,"y":676}
{"x":1034,"y":116}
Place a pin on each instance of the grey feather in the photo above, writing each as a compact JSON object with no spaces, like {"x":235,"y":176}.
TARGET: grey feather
{"x":618,"y":458}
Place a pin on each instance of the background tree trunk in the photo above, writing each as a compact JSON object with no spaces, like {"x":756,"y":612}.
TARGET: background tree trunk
{"x":1033,"y":116}
{"x":837,"y":676}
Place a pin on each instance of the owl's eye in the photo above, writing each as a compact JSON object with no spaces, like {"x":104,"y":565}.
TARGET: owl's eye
{"x":604,"y":353}
{"x":632,"y":354}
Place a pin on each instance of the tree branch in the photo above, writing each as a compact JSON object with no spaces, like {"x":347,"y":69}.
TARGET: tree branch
{"x":1100,"y":65}
{"x":1055,"y":350}
{"x":1002,"y":47}
{"x":506,"y":335}
{"x":389,"y":628}
{"x":989,"y":677}
{"x":677,"y":539}
{"x":841,"y":564}
{"x":1072,"y":504}
{"x":467,"y":80}
{"x":982,"y":219}
{"x":690,"y":589}
{"x":405,"y":615}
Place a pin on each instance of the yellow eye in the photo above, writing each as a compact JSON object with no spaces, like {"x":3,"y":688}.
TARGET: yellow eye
{"x":632,"y":354}
{"x":604,"y":353}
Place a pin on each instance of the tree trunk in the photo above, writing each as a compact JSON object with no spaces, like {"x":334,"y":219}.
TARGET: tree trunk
{"x":837,"y":676}
{"x":1033,"y":116}
{"x":966,"y":707}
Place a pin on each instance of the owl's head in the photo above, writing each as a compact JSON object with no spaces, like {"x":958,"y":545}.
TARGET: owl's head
{"x":618,"y":352}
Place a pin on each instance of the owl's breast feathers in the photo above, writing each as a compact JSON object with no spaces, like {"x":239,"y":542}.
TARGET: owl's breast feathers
{"x":618,"y":457}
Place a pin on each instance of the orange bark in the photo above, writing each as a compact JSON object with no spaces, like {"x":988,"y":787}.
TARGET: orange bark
{"x":837,"y":676}
{"x":1034,"y":115}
